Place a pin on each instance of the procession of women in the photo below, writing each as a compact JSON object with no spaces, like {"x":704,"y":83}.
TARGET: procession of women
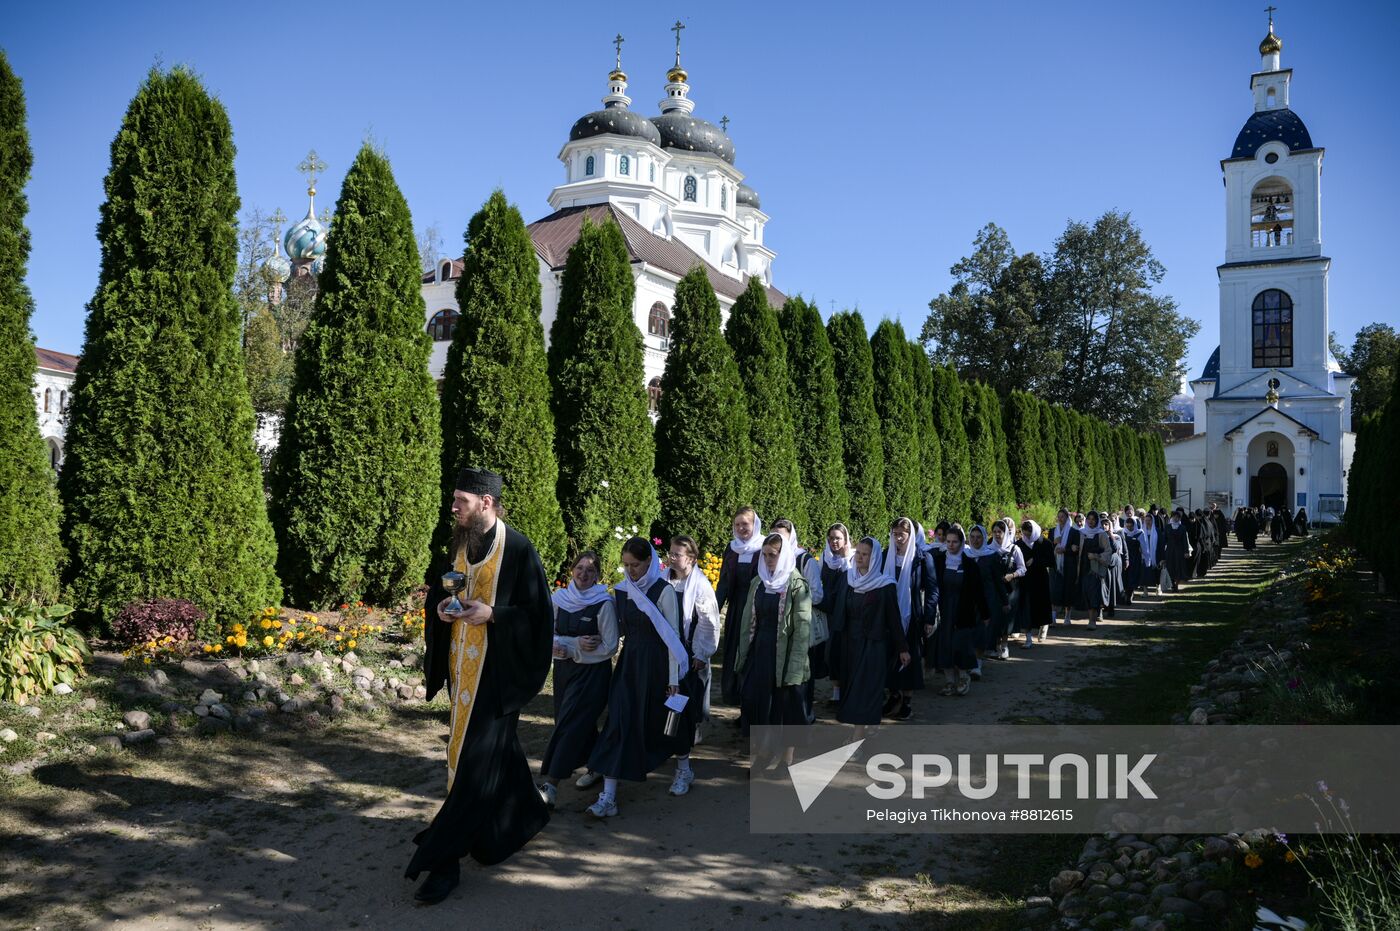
{"x":889,"y":616}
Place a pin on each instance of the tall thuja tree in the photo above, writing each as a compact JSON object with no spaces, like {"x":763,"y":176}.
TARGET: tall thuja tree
{"x":30,"y":553}
{"x":863,"y":451}
{"x":930,"y":464}
{"x":1049,"y":451}
{"x":354,"y":495}
{"x":982,"y":486}
{"x":894,"y":403}
{"x":757,"y":343}
{"x":1022,"y":422}
{"x":955,"y":500}
{"x":1005,"y":491}
{"x":495,"y":391}
{"x":703,"y":460}
{"x":603,"y":435}
{"x":1158,"y":453}
{"x":816,"y":415}
{"x":1069,"y":457}
{"x":162,"y":487}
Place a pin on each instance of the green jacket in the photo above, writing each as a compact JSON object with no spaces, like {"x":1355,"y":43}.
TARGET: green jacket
{"x":794,"y":630}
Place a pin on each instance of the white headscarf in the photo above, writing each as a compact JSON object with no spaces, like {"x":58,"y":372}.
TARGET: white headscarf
{"x":1008,"y":536}
{"x":875,"y":577}
{"x":691,"y":588}
{"x":747,"y":548}
{"x":921,"y":539}
{"x":637,"y":594}
{"x":570,"y":599}
{"x":1035,"y":532}
{"x":1089,"y":532}
{"x":904,"y":587}
{"x":777,"y":580}
{"x":987,"y":548}
{"x":831,"y":560}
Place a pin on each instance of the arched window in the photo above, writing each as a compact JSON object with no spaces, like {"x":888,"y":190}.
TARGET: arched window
{"x":652,"y":167}
{"x":659,"y":321}
{"x":1272,"y":97}
{"x":62,"y":401}
{"x":1271,"y":214}
{"x":654,"y":396}
{"x":624,"y":165}
{"x":48,"y":400}
{"x":689,"y":190}
{"x":1273,"y":330}
{"x":724,"y":197}
{"x":446,"y":271}
{"x":442,"y":325}
{"x":588,"y":165}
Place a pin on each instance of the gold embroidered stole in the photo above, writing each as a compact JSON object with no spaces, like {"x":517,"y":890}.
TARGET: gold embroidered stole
{"x":467,"y":654}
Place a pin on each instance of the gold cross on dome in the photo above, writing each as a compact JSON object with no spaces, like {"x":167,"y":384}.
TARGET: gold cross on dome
{"x":677,"y":30}
{"x":311,"y":166}
{"x":1271,"y":10}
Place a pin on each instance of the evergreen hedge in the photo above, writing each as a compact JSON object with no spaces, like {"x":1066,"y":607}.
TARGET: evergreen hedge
{"x":863,"y":450}
{"x":353,"y":479}
{"x":894,"y":404}
{"x":757,"y":343}
{"x":816,"y":417}
{"x":955,"y":501}
{"x":930,"y":463}
{"x":1373,"y":497}
{"x":162,"y":487}
{"x":30,"y":552}
{"x":495,"y":390}
{"x":702,"y":435}
{"x":1022,"y":426}
{"x":602,"y":432}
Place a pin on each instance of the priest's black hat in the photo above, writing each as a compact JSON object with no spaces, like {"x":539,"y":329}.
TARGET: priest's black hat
{"x":479,"y":482}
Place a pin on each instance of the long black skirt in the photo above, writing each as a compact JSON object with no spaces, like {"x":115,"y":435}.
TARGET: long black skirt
{"x":580,"y":697}
{"x":911,"y":676}
{"x":633,"y":741}
{"x":868,"y":665}
{"x":493,"y":808}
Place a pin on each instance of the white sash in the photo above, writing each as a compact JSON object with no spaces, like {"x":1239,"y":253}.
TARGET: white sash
{"x":663,"y":627}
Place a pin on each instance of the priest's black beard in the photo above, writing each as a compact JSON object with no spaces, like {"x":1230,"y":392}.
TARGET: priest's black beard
{"x":471,"y":536}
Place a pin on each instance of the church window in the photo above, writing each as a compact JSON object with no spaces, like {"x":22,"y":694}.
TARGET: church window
{"x":1271,"y":214}
{"x":588,"y":165}
{"x":659,"y":321}
{"x":1272,"y":97}
{"x":624,"y":166}
{"x":724,"y":197}
{"x":62,"y":401}
{"x":654,"y":396}
{"x":690,"y":188}
{"x":443,"y":324}
{"x":1271,"y":157}
{"x":48,"y":400}
{"x":652,"y":166}
{"x":1273,"y":329}
{"x":446,"y":271}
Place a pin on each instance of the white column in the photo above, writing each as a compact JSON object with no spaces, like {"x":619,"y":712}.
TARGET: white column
{"x":1239,"y":466}
{"x":1302,"y":481}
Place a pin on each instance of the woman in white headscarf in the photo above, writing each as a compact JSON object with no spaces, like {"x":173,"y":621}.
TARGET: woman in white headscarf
{"x":775,"y":632}
{"x":736,"y":572}
{"x":836,"y":562}
{"x":916,"y":592}
{"x":700,"y":633}
{"x":1096,"y":555}
{"x":874,"y":634}
{"x":961,"y":606}
{"x":585,"y":639}
{"x":1034,"y":611}
{"x":996,"y":594}
{"x":649,"y":670}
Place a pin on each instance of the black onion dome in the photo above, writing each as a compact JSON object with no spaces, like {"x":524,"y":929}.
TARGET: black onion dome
{"x":747,"y":197}
{"x":618,"y":121}
{"x":1269,"y":126}
{"x":680,"y":130}
{"x":1212,"y":370}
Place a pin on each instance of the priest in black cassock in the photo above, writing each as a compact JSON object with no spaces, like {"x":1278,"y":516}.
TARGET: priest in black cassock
{"x":493,"y":657}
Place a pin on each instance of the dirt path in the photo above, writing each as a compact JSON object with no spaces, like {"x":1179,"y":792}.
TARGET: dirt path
{"x":312,"y":828}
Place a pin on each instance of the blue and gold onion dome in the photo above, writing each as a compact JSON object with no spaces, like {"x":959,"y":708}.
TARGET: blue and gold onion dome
{"x":305,"y":240}
{"x":277,"y":269}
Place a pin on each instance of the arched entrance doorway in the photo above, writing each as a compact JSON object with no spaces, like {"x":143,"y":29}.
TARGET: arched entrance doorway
{"x":1270,"y":487}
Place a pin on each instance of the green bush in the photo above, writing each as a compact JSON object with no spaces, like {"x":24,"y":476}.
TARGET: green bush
{"x":816,"y":415}
{"x":893,"y":379}
{"x":30,"y":553}
{"x":38,"y":650}
{"x":862,"y":449}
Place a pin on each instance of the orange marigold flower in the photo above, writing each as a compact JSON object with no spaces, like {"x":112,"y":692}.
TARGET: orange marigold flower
{"x":1253,"y":860}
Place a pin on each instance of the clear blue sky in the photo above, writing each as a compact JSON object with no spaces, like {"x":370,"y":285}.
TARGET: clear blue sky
{"x":881,"y":137}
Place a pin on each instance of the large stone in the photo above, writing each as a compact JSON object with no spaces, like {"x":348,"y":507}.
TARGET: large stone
{"x":63,"y":688}
{"x":296,"y":679}
{"x":1216,"y":848}
{"x":31,"y":711}
{"x":1198,"y":716}
{"x":202,"y":710}
{"x":7,"y":735}
{"x":363,"y":672}
{"x":337,"y":704}
{"x":210,"y":697}
{"x":132,"y":738}
{"x":109,"y":742}
{"x":1065,"y":881}
{"x":220,"y":711}
{"x":87,"y":704}
{"x":351,"y":658}
{"x":420,"y":691}
{"x":295,"y":660}
{"x":405,"y":692}
{"x":44,"y":737}
{"x":136,"y":720}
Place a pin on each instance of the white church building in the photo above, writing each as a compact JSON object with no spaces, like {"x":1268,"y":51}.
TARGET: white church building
{"x":670,"y":183}
{"x":1272,"y":407}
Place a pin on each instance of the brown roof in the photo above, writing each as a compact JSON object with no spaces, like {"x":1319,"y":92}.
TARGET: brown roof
{"x":556,"y":234}
{"x":430,"y":276}
{"x":1172,"y":432}
{"x":58,"y":361}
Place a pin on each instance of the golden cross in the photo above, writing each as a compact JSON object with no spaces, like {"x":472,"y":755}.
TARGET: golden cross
{"x":1271,"y":10}
{"x":311,"y":166}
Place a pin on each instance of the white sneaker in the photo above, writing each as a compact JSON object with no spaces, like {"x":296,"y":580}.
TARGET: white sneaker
{"x":974,"y":674}
{"x":603,"y":808}
{"x":1005,"y":653}
{"x":681,"y":784}
{"x":588,"y":779}
{"x":548,"y":793}
{"x":1044,"y":631}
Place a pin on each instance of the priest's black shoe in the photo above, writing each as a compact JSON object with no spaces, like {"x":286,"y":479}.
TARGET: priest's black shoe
{"x":438,"y":886}
{"x":891,"y":703}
